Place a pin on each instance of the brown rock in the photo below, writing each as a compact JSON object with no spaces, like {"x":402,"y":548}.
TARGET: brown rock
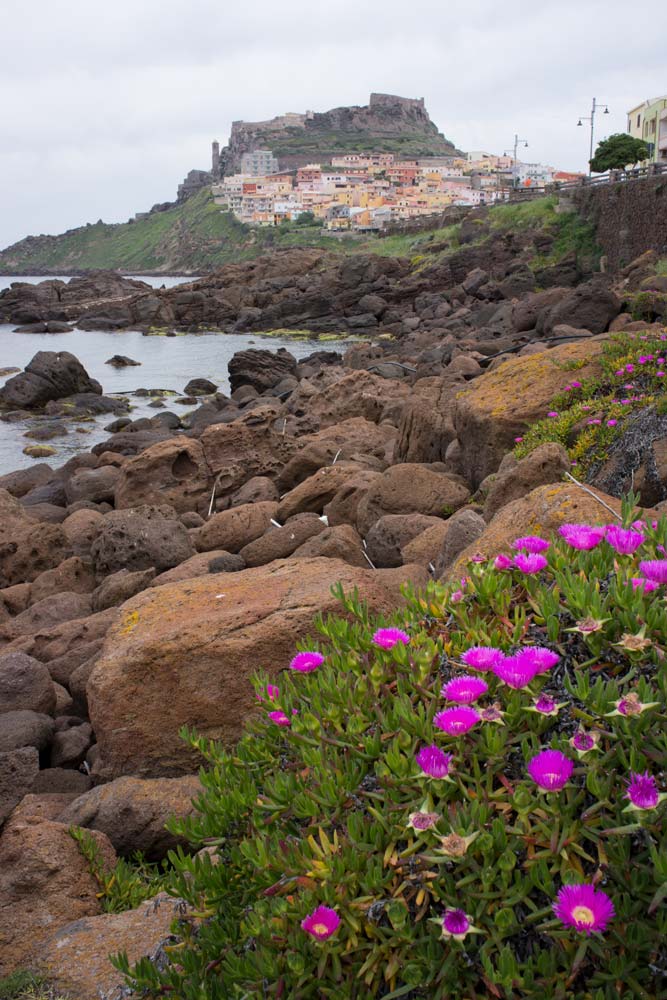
{"x":410,"y":489}
{"x":390,"y":533}
{"x":232,"y":529}
{"x":183,"y":654}
{"x":238,"y":451}
{"x":425,"y":547}
{"x":97,"y":485}
{"x":174,"y":472}
{"x":343,"y":507}
{"x":340,"y":542}
{"x":314,"y":493}
{"x":356,"y":439}
{"x":140,"y":538}
{"x":545,"y":464}
{"x":119,"y":587}
{"x":25,"y":683}
{"x":539,"y":513}
{"x":357,"y":394}
{"x":529,"y":308}
{"x":74,"y":959}
{"x":132,"y":812}
{"x":279,"y":543}
{"x":34,"y":808}
{"x":195,"y":566}
{"x":18,"y":769}
{"x":24,"y":551}
{"x":72,"y":575}
{"x":46,"y":613}
{"x":45,"y":882}
{"x":16,"y":598}
{"x":463,"y":528}
{"x":500,"y":405}
{"x":257,"y":490}
{"x":81,"y":529}
{"x":65,"y":646}
{"x":426,"y":428}
{"x":25,"y":729}
{"x":57,"y":781}
{"x":68,"y":748}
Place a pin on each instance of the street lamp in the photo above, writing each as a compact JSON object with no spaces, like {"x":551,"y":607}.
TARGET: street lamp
{"x":515,"y":171}
{"x":591,"y":118}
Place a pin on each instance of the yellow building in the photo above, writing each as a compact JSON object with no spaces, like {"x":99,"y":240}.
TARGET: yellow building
{"x":648,"y":121}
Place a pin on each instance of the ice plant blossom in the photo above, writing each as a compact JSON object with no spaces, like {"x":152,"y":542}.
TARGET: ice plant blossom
{"x":420,"y":821}
{"x":482,"y":657}
{"x":464,"y":689}
{"x":457,"y":721}
{"x":584,"y":907}
{"x":387,"y":638}
{"x":280,"y":718}
{"x":546,"y":706}
{"x":631,"y":705}
{"x":455,"y":924}
{"x":625,"y":541}
{"x":530,"y":563}
{"x":321,"y":923}
{"x":434,"y":762}
{"x":654,"y":570}
{"x":531,"y":543}
{"x":550,"y":770}
{"x":502,"y":562}
{"x":584,"y":742}
{"x":643,"y":791}
{"x":306,"y":662}
{"x":582,"y":536}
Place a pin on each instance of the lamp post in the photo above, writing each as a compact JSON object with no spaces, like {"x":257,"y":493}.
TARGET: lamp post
{"x":591,"y":118}
{"x":515,"y":171}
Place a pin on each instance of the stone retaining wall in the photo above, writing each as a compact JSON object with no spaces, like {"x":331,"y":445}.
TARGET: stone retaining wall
{"x":629,"y":218}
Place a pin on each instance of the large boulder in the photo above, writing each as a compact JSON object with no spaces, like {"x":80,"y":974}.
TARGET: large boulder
{"x":390,"y":533}
{"x":45,"y":882}
{"x":94,"y":485}
{"x":591,"y":306}
{"x":46,"y":613}
{"x":342,"y":509}
{"x":18,"y":770}
{"x":356,"y":394}
{"x":74,"y":958}
{"x":545,"y":464}
{"x":342,"y":541}
{"x":26,"y":551}
{"x":25,"y":729}
{"x":73,"y":575}
{"x":174,"y":472}
{"x":140,"y":538}
{"x":245,"y":448}
{"x":260,"y":369}
{"x":50,"y":375}
{"x":132,"y":812}
{"x":315,"y":492}
{"x":426,"y":428}
{"x":25,"y":683}
{"x":81,"y":528}
{"x":500,"y":405}
{"x":279,"y":543}
{"x":411,"y":489}
{"x":356,"y":439}
{"x":183,"y":654}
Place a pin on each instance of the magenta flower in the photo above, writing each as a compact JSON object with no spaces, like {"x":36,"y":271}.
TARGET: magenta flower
{"x":551,"y":770}
{"x":514,"y":672}
{"x":553,"y":414}
{"x":584,"y":907}
{"x":271,"y":692}
{"x":539,"y":658}
{"x":306,"y":662}
{"x":421,"y":821}
{"x":518,"y":440}
{"x":531,"y":543}
{"x":546,"y":706}
{"x":654,"y":570}
{"x":482,"y":657}
{"x":321,"y":923}
{"x":464,"y":689}
{"x":642,"y":791}
{"x":612,"y":423}
{"x":646,"y":585}
{"x":594,"y":421}
{"x":630,"y":368}
{"x":434,"y":762}
{"x":387,"y":638}
{"x":583,"y":741}
{"x":502,"y":562}
{"x":280,"y":718}
{"x":582,"y":536}
{"x":576,"y":385}
{"x":531,"y":563}
{"x":625,"y":541}
{"x":455,"y":924}
{"x":493,"y":713}
{"x":456,"y":721}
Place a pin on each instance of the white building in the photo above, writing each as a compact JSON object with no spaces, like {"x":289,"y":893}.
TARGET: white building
{"x":259,"y":163}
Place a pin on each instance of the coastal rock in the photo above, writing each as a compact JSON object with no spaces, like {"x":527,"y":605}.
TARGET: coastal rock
{"x":591,"y":306}
{"x":25,"y":552}
{"x":426,"y":427}
{"x":81,"y":529}
{"x":25,"y":683}
{"x":184,"y":653}
{"x":140,"y":538}
{"x":25,"y":729}
{"x":342,"y":509}
{"x":232,"y":529}
{"x":72,"y":575}
{"x":391,"y":533}
{"x":174,"y":471}
{"x":50,"y":375}
{"x":45,"y":882}
{"x":247,"y":447}
{"x":260,"y":369}
{"x":122,"y":361}
{"x":314,"y":493}
{"x":47,"y":613}
{"x":410,"y":489}
{"x":198,"y":565}
{"x":463,"y":528}
{"x":545,"y":464}
{"x":425,"y":547}
{"x":95,"y":485}
{"x":257,"y":490}
{"x":356,"y":439}
{"x":132,"y":812}
{"x":279,"y":543}
{"x":340,"y":542}
{"x":18,"y":770}
{"x":119,"y":587}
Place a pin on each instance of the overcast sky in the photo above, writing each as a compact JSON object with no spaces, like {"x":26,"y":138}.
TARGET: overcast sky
{"x":106,"y":105}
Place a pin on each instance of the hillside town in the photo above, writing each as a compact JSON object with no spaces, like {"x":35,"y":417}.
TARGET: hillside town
{"x":366,"y":191}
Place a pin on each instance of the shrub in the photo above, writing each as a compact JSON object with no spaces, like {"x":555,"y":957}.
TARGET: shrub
{"x":128,"y":883}
{"x":445,"y":888}
{"x":587,"y":417}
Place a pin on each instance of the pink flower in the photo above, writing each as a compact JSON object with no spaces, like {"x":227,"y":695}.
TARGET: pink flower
{"x":455,"y":924}
{"x":421,"y":821}
{"x":280,"y":719}
{"x":530,"y":564}
{"x":531,"y":543}
{"x":586,"y":408}
{"x":321,"y":923}
{"x":624,"y":540}
{"x":582,"y":536}
{"x":646,"y":585}
{"x":482,"y":657}
{"x":594,"y":420}
{"x":643,"y":791}
{"x":502,"y":562}
{"x":553,"y":414}
{"x":629,"y":368}
{"x":518,"y":440}
{"x":576,"y":385}
{"x":434,"y":762}
{"x":493,"y":713}
{"x":464,"y":689}
{"x":551,"y":770}
{"x":584,"y":907}
{"x":583,"y":741}
{"x":456,"y":721}
{"x":619,"y":372}
{"x":306,"y":662}
{"x":271,"y":692}
{"x":538,"y":658}
{"x":514,"y":672}
{"x":654,"y":570}
{"x":546,"y":706}
{"x":612,"y":423}
{"x":386,"y":638}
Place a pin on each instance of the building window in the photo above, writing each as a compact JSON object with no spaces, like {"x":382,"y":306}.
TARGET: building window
{"x":639,"y":119}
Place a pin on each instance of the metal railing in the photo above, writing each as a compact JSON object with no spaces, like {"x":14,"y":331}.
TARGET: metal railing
{"x":611,"y":177}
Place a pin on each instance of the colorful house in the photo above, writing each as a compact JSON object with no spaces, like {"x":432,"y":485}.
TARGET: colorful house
{"x":648,"y":121}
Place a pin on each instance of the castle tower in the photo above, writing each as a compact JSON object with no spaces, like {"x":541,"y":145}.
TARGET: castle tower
{"x":215,"y":161}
